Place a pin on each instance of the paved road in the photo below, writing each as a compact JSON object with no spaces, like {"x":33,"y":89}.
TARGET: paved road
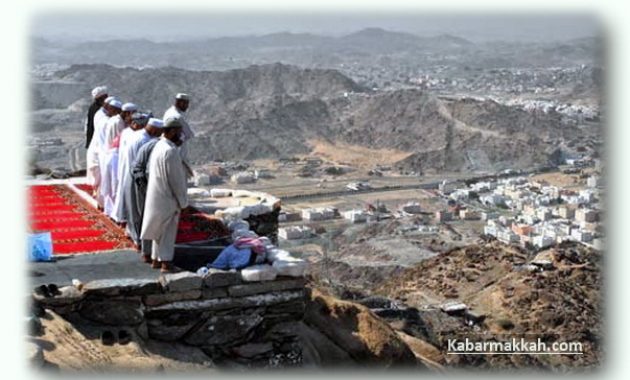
{"x":88,"y":267}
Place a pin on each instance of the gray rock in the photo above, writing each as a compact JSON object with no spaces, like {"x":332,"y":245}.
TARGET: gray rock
{"x":224,"y":330}
{"x":214,"y":293}
{"x":217,"y":278}
{"x":113,"y":311}
{"x":69,"y":295}
{"x":251,"y":350}
{"x":229,"y":303}
{"x":295,"y":307}
{"x":160,"y":330}
{"x":118,"y":286}
{"x":180,"y":282}
{"x":265,"y":287}
{"x":168,"y":297}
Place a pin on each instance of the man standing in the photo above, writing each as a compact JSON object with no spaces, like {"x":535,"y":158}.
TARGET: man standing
{"x":99,"y":94}
{"x":140,"y":181}
{"x":94,"y":156}
{"x":134,"y":193}
{"x":109,"y":154}
{"x":128,"y":110}
{"x":178,"y":111}
{"x":166,"y":196}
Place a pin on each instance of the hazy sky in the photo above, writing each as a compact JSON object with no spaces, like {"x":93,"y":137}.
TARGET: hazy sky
{"x":162,"y":26}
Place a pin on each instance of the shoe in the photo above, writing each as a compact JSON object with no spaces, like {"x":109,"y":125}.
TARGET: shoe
{"x":124,"y":337}
{"x":167,"y":267}
{"x":155,"y":264}
{"x":53,"y":289}
{"x":42,"y":290}
{"x":108,"y":338}
{"x":147,"y":259}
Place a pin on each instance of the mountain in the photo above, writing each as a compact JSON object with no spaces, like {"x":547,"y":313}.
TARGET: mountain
{"x":269,"y":111}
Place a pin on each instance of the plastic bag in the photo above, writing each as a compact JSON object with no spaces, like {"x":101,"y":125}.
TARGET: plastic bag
{"x":40,"y":247}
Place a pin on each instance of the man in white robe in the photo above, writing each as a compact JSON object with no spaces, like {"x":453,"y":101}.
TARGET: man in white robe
{"x":130,"y":197}
{"x":93,"y":161}
{"x":109,"y":165}
{"x":166,"y":197}
{"x":178,"y":111}
{"x":123,"y":160}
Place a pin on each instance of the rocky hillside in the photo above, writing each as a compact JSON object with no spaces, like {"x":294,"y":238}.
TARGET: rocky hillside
{"x":270,"y":111}
{"x":563,"y":303}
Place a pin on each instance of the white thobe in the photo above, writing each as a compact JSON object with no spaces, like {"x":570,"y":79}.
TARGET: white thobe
{"x":130,"y":142}
{"x":109,"y":181}
{"x":123,"y":167}
{"x":187,"y":132}
{"x":173,"y":112}
{"x":166,"y":196}
{"x":109,"y":166}
{"x":92,"y":160}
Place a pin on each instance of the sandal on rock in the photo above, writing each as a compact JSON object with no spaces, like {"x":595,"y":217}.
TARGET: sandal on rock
{"x":54,"y":290}
{"x":124,"y":337}
{"x":42,"y":290}
{"x":108,"y":338}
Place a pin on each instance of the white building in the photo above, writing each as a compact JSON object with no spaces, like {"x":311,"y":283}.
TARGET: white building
{"x":322,"y":213}
{"x":543,"y":241}
{"x":243,"y":177}
{"x":581,"y":235}
{"x":585,"y":215}
{"x":507,"y":237}
{"x":543,"y":213}
{"x":355,"y":216}
{"x":296,"y":232}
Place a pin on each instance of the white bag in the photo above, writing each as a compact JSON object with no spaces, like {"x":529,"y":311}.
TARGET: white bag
{"x":290,"y":266}
{"x":262,"y":272}
{"x":277,"y":254}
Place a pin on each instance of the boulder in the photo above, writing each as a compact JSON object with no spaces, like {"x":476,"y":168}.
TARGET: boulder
{"x":225,"y":330}
{"x":168,"y":297}
{"x":262,"y":272}
{"x":252,"y":350}
{"x":127,"y":311}
{"x":119,"y":286}
{"x":181,"y":282}
{"x":264,"y":287}
{"x":217,"y":278}
{"x":69,"y":295}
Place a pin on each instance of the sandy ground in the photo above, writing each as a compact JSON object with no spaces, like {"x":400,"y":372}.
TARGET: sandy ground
{"x":355,"y":155}
{"x":69,"y":349}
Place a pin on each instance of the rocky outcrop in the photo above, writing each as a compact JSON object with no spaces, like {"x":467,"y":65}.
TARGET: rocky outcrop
{"x":230,"y":320}
{"x":345,"y":327}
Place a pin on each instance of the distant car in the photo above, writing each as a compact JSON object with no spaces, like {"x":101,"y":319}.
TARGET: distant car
{"x":357,"y":186}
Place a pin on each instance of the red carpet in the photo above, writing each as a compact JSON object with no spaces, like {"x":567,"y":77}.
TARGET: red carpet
{"x":194,"y":225}
{"x":75,"y":226}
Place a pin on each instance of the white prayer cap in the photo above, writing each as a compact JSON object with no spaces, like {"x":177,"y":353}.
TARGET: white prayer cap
{"x":182,"y":96}
{"x":110,"y":98}
{"x":115,"y":103}
{"x":99,"y":91}
{"x":129,"y":107}
{"x":158,"y":123}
